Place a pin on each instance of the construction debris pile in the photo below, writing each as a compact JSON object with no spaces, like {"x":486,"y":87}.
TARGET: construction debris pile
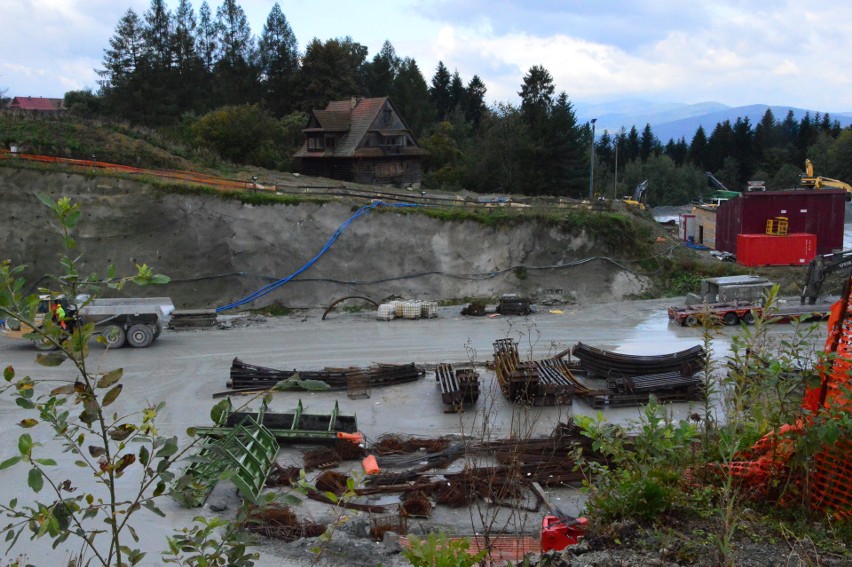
{"x":243,"y":445}
{"x":630,"y":379}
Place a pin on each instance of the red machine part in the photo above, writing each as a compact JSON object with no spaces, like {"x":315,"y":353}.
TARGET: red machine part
{"x":558,"y":533}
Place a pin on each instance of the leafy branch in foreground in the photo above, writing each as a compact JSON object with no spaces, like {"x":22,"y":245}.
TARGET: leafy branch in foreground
{"x":128,"y":461}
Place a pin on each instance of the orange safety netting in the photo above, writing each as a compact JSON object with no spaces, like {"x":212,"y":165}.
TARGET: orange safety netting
{"x":189,"y":176}
{"x":762,"y":467}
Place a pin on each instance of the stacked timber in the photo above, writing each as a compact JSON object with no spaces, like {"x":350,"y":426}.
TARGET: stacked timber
{"x":459,"y":387}
{"x":531,"y":382}
{"x":246,"y":376}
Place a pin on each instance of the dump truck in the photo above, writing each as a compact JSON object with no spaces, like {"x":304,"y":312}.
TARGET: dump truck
{"x":136,"y":322}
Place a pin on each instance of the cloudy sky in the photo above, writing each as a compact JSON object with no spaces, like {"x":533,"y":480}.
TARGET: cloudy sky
{"x":736,"y":52}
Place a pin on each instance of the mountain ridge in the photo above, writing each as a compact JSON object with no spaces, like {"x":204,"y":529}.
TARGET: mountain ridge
{"x":672,"y":121}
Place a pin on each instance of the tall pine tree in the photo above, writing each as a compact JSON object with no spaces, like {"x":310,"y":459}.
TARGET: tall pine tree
{"x":189,"y":70}
{"x":123,"y":92}
{"x":278,"y":55}
{"x":158,"y":76}
{"x":439,"y":92}
{"x":236,"y":72}
{"x":473,"y":103}
{"x":410,"y":95}
{"x":330,"y":71}
{"x":381,"y":72}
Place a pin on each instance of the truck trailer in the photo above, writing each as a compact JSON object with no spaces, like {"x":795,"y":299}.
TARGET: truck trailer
{"x":134,"y":321}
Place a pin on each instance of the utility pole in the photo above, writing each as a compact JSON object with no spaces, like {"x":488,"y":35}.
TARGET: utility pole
{"x":615,"y":184}
{"x":592,"y":161}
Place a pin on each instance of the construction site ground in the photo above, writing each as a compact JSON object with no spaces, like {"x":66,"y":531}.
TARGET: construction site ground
{"x":186,"y":368}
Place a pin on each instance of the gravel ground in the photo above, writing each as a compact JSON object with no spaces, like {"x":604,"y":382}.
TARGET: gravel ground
{"x":186,"y":367}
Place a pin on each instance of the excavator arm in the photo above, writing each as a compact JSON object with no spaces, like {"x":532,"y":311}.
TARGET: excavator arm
{"x":820,"y":266}
{"x":715,"y":182}
{"x":811,"y":181}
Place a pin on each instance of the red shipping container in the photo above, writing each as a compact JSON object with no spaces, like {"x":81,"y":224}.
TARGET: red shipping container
{"x":767,"y":250}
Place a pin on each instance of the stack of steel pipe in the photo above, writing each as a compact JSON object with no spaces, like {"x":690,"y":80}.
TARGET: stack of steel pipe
{"x":605,"y":364}
{"x":246,"y":376}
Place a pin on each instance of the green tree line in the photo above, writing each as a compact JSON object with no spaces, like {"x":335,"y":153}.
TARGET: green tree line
{"x":205,"y":77}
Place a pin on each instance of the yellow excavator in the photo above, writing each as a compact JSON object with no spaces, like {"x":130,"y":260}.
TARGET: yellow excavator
{"x":639,"y":198}
{"x":811,"y":181}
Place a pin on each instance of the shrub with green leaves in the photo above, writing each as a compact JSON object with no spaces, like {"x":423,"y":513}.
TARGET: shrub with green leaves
{"x":124,"y":462}
{"x":438,"y":550}
{"x":643,"y":469}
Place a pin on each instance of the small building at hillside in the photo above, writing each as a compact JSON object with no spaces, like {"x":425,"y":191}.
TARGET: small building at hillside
{"x":363,"y":140}
{"x":36,"y":104}
{"x":704,"y":225}
{"x":818,"y":212}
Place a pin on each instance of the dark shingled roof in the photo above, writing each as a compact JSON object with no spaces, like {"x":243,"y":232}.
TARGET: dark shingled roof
{"x":332,"y":121}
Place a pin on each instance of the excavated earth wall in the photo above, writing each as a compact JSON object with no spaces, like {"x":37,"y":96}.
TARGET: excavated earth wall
{"x":217,"y":250}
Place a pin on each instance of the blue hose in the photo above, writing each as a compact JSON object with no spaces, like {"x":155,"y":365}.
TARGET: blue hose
{"x":276,"y":284}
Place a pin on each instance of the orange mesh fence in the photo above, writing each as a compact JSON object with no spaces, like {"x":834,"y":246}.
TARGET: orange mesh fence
{"x":763,"y":464}
{"x":831,"y":485}
{"x":831,"y":489}
{"x":191,"y":177}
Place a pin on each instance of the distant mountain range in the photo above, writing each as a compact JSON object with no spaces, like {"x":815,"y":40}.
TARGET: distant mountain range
{"x":676,"y":120}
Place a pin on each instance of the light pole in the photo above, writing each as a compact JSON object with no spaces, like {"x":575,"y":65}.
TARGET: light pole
{"x":592,"y":160}
{"x":615,"y":184}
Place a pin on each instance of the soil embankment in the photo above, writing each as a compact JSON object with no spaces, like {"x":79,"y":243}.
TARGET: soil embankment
{"x":217,"y":251}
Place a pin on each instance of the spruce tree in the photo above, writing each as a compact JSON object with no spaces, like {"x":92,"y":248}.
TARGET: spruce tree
{"x":278,"y":56}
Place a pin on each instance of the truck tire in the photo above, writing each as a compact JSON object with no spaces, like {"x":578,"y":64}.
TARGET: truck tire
{"x":140,"y":336}
{"x":114,"y":336}
{"x":731,"y":318}
{"x":157,"y":328}
{"x":748,"y":318}
{"x":691,"y":321}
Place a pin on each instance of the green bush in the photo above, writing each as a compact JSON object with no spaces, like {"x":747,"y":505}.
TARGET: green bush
{"x":628,"y":494}
{"x":438,"y":550}
{"x":641,"y":479}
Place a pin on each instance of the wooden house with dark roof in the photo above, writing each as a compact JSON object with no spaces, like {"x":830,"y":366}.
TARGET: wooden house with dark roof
{"x":363,"y":140}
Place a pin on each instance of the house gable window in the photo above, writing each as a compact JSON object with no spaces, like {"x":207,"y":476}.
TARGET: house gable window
{"x":315,"y":144}
{"x":393,"y":141}
{"x":393,"y":144}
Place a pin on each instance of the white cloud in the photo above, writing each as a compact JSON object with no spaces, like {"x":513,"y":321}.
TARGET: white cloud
{"x":787,"y":67}
{"x":726,"y":50}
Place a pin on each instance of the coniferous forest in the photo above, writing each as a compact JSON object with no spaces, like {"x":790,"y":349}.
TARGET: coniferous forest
{"x":205,"y":78}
